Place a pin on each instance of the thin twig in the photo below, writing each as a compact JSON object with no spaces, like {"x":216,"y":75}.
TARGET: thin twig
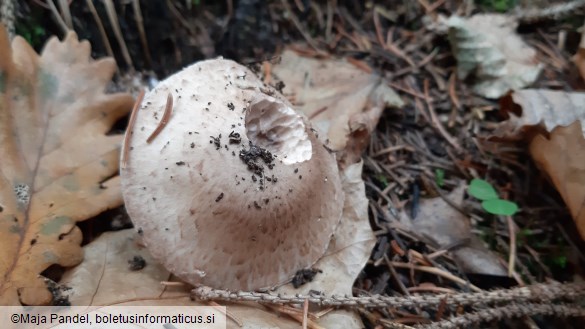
{"x":507,"y":312}
{"x":300,"y":27}
{"x":454,"y":100}
{"x":141,"y":32}
{"x":57,"y":16}
{"x":329,"y":25}
{"x":436,"y":122}
{"x":439,"y":272}
{"x":129,"y":130}
{"x":378,"y":27}
{"x":294,"y":313}
{"x":512,"y":256}
{"x":66,"y":13}
{"x":113,"y":17}
{"x":536,"y":293}
{"x":305,"y":313}
{"x":100,"y":25}
{"x":165,"y":119}
{"x":226,"y":312}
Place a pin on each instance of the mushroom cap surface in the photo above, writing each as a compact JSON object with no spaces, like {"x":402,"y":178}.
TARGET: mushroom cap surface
{"x":236,"y":191}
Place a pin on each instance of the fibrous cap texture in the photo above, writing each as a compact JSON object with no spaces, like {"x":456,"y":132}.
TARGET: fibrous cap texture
{"x":236,"y":191}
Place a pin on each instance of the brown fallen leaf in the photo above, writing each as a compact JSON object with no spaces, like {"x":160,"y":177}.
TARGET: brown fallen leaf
{"x":438,"y":223}
{"x":562,"y":158}
{"x":555,"y":122}
{"x":57,"y":161}
{"x":343,"y":102}
{"x":487,"y":47}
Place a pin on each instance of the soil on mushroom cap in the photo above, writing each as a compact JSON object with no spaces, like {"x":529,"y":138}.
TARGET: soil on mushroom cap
{"x":255,"y":158}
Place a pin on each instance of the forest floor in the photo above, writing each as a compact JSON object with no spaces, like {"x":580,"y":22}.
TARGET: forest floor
{"x":408,"y":159}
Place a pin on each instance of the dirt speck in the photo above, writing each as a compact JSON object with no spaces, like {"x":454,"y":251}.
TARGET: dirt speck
{"x":303,"y":276}
{"x":252,"y":156}
{"x":136,"y":263}
{"x":219,"y":197}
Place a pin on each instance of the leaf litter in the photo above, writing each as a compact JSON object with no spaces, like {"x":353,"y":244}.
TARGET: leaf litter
{"x":552,"y":122}
{"x":58,"y":165}
{"x":489,"y":51}
{"x":403,"y":154}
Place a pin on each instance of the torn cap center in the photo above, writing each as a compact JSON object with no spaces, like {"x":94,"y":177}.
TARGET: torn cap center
{"x":276,"y":127}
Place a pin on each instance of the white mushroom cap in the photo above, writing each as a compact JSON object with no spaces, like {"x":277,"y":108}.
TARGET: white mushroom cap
{"x":214,"y":209}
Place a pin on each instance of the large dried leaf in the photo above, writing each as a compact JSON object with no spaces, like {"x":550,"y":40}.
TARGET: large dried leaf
{"x":342,"y":101}
{"x":561,"y":154}
{"x":104,"y":277}
{"x":56,"y":158}
{"x":488,"y":49}
{"x":562,"y":157}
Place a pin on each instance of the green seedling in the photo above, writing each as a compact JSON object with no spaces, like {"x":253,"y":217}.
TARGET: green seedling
{"x":491,"y":202}
{"x":561,"y":261}
{"x":382,"y":179}
{"x":440,"y":177}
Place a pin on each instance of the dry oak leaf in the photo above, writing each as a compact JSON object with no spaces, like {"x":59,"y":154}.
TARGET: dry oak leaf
{"x":488,"y":49}
{"x":561,"y":154}
{"x":57,"y":161}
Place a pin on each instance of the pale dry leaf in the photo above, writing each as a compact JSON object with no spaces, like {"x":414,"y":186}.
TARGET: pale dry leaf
{"x":332,"y":93}
{"x":489,"y":51}
{"x":561,"y":154}
{"x":546,"y":108}
{"x":104,"y":278}
{"x":56,"y":158}
{"x":439,"y":224}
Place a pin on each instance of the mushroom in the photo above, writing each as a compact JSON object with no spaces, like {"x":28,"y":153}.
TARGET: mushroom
{"x":234,"y":190}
